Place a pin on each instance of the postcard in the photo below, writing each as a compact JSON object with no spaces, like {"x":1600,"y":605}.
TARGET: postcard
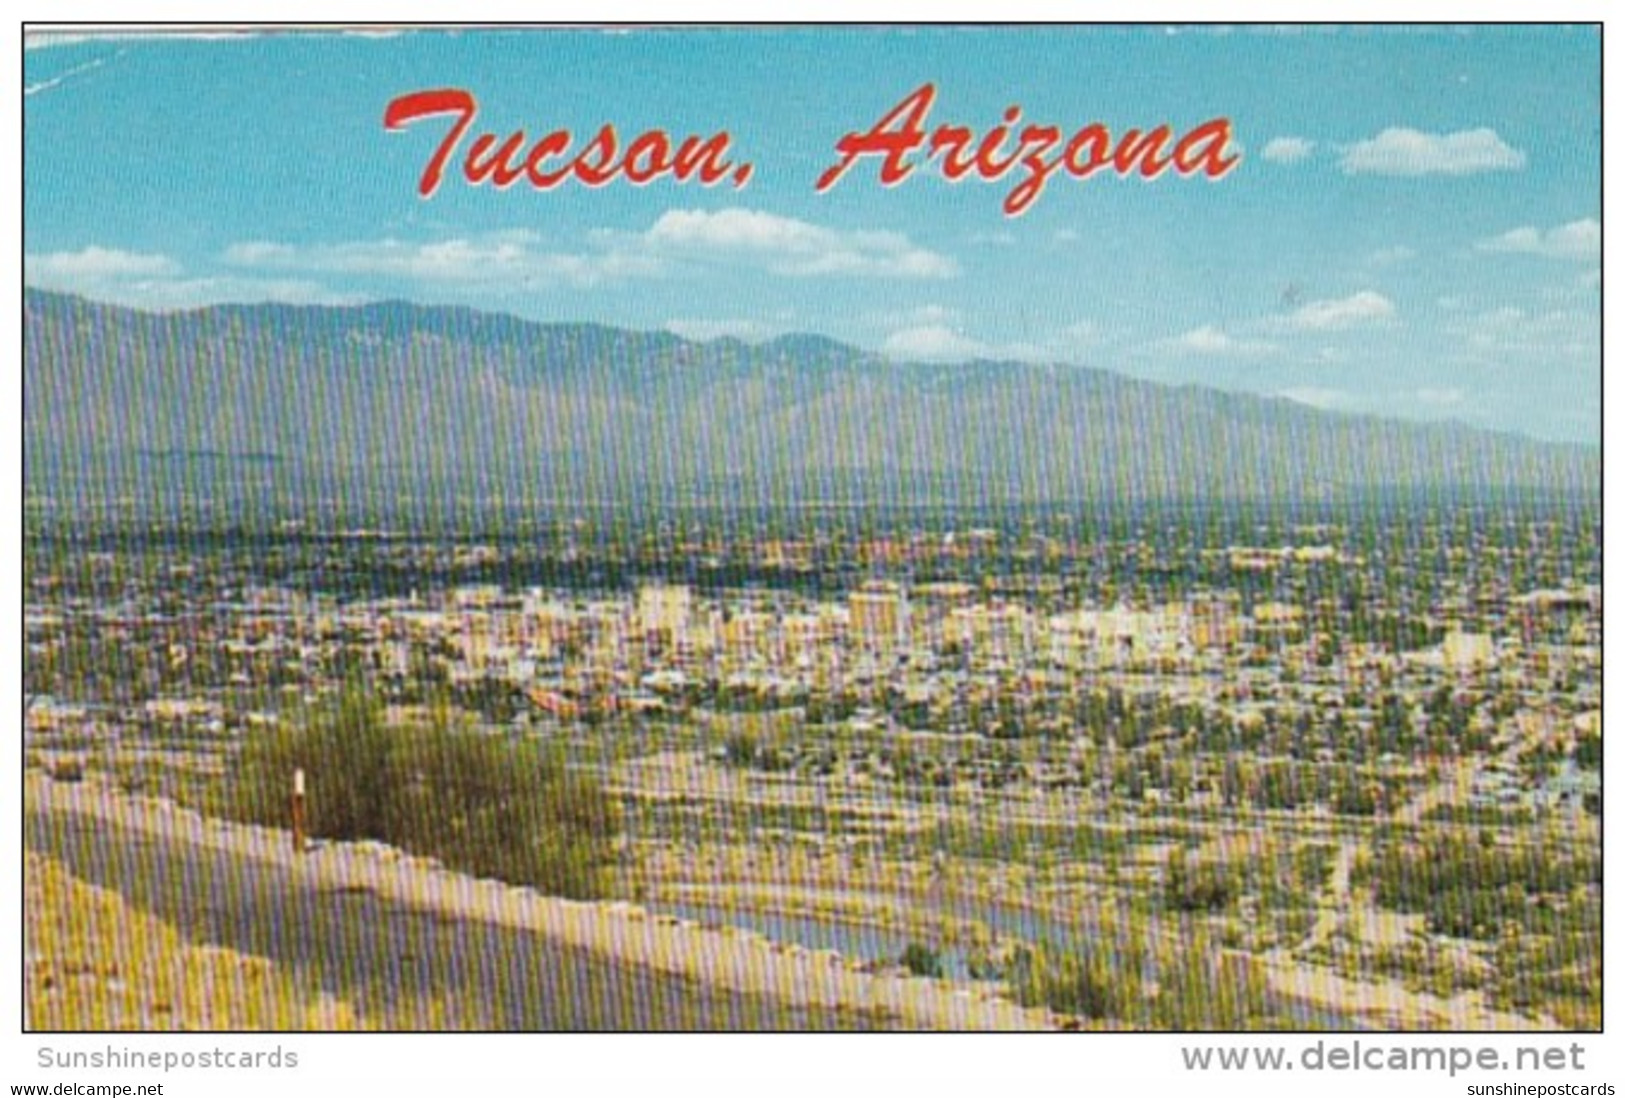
{"x":881,"y":528}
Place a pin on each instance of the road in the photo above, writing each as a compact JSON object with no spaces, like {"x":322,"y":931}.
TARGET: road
{"x":379,"y":953}
{"x":1333,"y":904}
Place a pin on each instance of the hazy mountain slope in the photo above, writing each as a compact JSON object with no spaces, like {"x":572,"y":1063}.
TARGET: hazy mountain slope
{"x":404,"y":395}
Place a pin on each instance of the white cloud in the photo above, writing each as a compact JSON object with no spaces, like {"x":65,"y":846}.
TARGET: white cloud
{"x":1287,"y":150}
{"x":933,"y":343}
{"x":1209,"y":340}
{"x":1206,"y":340}
{"x":702,"y":330}
{"x":152,"y":281}
{"x":1324,"y":399}
{"x":918,"y":316}
{"x":1440,"y":398}
{"x":1256,"y":338}
{"x":1080,"y":332}
{"x":1510,"y":330}
{"x":731,"y":238}
{"x":185,"y":293}
{"x":786,"y":246}
{"x":1388,"y":257}
{"x":1336,"y":314}
{"x":64,"y":269}
{"x":934,"y":333}
{"x":1399,"y":151}
{"x":512,"y":259}
{"x":1581,"y":240}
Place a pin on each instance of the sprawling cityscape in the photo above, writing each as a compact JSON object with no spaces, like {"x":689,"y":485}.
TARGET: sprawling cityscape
{"x":941,"y":742}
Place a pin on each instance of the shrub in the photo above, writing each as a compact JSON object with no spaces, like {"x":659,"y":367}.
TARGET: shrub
{"x":1092,"y":982}
{"x":922,"y":960}
{"x":68,"y":770}
{"x":741,"y":749}
{"x":1198,"y":984}
{"x":1467,"y":890}
{"x":344,"y":750}
{"x":500,"y":810}
{"x":1205,"y":886}
{"x":480,"y":804}
{"x":1202,"y":986}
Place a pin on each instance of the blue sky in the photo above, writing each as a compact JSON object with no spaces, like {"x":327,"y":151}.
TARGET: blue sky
{"x":1413,"y":228}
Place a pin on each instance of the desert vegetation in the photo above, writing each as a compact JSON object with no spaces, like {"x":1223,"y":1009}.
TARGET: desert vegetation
{"x":481,"y":804}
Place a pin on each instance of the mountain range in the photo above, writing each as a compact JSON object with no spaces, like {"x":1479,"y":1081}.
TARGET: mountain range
{"x":416,"y":398}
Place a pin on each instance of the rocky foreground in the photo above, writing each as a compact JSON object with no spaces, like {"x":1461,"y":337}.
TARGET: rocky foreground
{"x":718,"y":957}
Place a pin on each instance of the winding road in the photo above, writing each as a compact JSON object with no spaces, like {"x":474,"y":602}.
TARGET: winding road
{"x":380,"y":953}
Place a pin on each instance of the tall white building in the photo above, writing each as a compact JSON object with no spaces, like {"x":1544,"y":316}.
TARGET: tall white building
{"x":878,"y":617}
{"x":665,"y":608}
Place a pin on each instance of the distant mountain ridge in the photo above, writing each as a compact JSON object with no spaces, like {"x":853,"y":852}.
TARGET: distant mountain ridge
{"x":413,"y":396}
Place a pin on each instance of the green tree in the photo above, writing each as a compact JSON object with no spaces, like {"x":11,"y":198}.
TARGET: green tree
{"x":479,"y":803}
